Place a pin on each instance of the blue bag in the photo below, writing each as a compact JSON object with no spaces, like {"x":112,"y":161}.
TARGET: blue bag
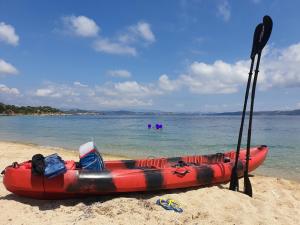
{"x":54,"y":166}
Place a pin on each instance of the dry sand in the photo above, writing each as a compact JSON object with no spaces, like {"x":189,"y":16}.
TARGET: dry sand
{"x":275,"y":201}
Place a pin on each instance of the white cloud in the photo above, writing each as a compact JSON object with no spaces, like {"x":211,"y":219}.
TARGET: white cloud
{"x":125,"y":94}
{"x":6,"y":90}
{"x":8,"y":34}
{"x":202,"y":78}
{"x":126,"y":38}
{"x":129,"y":89}
{"x":122,"y":94}
{"x":119,"y":73}
{"x":81,"y":26}
{"x":78,"y":84}
{"x":121,"y":45}
{"x":123,"y":102}
{"x":107,"y":46}
{"x":6,"y":68}
{"x":279,"y":68}
{"x":143,"y":29}
{"x":56,"y":91}
{"x":224,"y":9}
{"x":166,"y":84}
{"x":216,"y":78}
{"x":138,"y":32}
{"x":44,"y":92}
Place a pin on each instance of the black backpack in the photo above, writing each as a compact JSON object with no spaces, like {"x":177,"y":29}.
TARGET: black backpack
{"x":37,"y":165}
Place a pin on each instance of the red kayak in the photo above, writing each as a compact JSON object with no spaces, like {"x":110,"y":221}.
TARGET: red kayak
{"x":122,"y":176}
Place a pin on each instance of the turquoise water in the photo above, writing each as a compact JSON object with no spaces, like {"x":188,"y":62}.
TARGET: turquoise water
{"x":181,"y":135}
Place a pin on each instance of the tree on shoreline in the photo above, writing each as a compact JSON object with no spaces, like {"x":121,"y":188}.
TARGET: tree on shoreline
{"x":27,"y":110}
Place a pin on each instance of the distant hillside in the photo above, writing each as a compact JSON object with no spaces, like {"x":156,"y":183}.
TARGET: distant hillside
{"x":266,"y":113}
{"x":47,"y":110}
{"x":116,"y":112}
{"x":156,"y":112}
{"x":27,"y":110}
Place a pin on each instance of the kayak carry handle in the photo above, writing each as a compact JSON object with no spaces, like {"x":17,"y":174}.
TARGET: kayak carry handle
{"x":181,"y":173}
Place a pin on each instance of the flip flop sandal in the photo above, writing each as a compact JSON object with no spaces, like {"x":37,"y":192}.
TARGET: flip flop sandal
{"x":169,"y":204}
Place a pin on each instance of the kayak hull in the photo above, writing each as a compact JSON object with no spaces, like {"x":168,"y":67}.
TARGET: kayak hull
{"x":123,"y":176}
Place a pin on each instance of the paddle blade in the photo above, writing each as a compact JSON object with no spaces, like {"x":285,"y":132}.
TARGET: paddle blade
{"x":266,"y":32}
{"x":261,"y":35}
{"x":234,"y":180}
{"x":247,"y":186}
{"x":256,"y":40}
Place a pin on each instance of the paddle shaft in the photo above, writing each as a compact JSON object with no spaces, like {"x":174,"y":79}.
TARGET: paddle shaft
{"x":234,"y":183}
{"x":246,"y":172}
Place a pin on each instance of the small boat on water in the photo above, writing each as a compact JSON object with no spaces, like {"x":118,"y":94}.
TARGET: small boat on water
{"x":124,"y":176}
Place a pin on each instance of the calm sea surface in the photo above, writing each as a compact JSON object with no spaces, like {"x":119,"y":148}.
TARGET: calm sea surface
{"x":181,"y":135}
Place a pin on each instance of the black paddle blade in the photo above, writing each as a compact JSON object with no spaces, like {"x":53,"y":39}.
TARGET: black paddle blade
{"x":266,"y":32}
{"x":261,"y":36}
{"x":247,"y":186}
{"x":256,"y":40}
{"x":234,"y":180}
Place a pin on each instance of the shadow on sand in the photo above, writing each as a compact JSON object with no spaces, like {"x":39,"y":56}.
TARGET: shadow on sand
{"x":45,"y":205}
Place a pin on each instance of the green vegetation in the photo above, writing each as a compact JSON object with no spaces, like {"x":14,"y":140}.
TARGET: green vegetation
{"x":27,"y":110}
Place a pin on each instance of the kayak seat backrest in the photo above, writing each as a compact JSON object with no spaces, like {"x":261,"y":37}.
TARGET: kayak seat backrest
{"x":90,"y":157}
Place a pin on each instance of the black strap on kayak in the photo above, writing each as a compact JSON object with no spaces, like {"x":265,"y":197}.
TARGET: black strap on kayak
{"x":264,"y":37}
{"x":260,"y":38}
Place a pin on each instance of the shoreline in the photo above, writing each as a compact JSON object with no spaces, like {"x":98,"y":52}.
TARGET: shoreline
{"x":64,"y":151}
{"x":277,"y":201}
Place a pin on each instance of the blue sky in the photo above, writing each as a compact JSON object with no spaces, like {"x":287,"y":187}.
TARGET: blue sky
{"x":167,"y":55}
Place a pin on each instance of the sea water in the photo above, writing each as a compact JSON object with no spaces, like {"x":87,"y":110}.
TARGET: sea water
{"x":129,"y":135}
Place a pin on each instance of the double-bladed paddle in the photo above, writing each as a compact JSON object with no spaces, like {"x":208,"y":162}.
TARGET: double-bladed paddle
{"x":234,"y":182}
{"x":260,"y":38}
{"x":267,"y":26}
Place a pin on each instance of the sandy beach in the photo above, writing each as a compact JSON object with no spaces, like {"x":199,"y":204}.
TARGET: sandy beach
{"x":275,"y":201}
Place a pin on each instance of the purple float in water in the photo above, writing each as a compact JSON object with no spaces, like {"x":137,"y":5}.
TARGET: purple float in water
{"x":158,"y":126}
